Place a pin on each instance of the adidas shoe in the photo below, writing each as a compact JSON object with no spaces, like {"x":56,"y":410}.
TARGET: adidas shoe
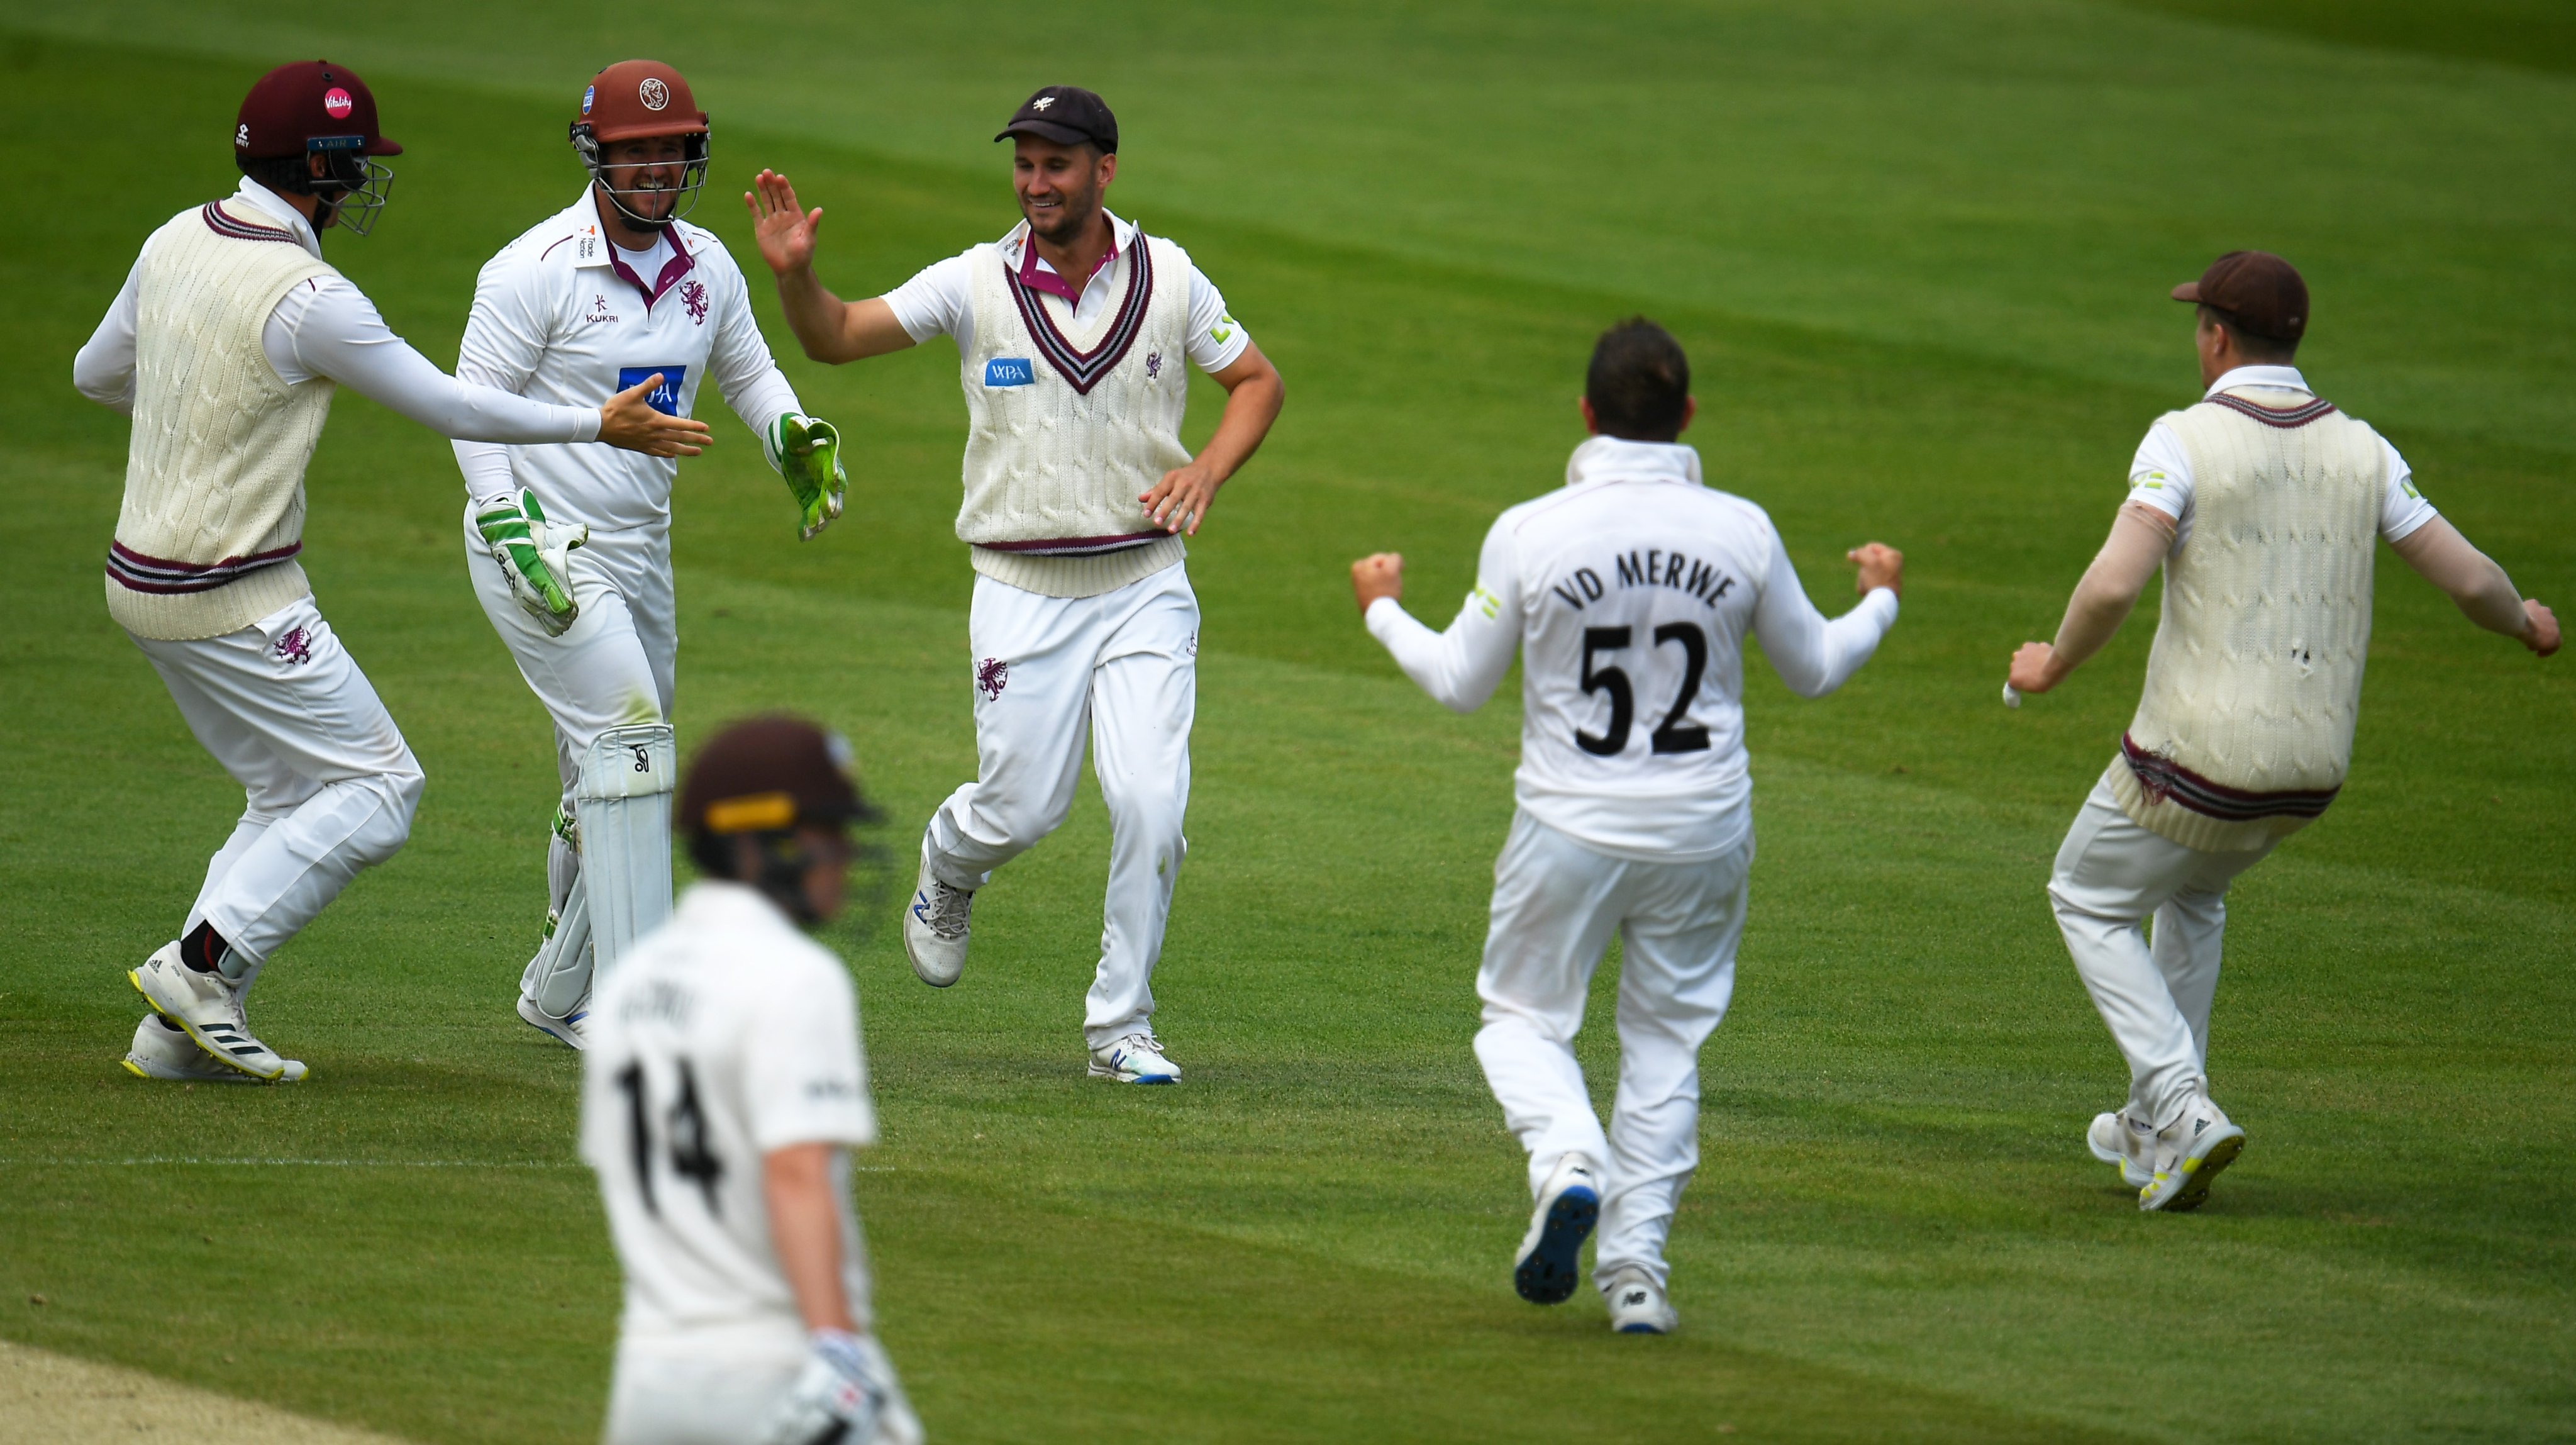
{"x":208,"y":1008}
{"x":1568,"y":1207}
{"x":935,"y":927}
{"x":163,"y":1050}
{"x":1134,"y":1059}
{"x":1637,"y":1303}
{"x":567,"y":1029}
{"x":2189,"y":1152}
{"x":2114,"y":1142}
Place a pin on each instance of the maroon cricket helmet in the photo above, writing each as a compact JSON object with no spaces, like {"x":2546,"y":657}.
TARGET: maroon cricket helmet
{"x":309,"y":105}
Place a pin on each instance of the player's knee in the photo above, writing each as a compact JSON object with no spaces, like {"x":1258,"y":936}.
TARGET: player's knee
{"x":384,"y":833}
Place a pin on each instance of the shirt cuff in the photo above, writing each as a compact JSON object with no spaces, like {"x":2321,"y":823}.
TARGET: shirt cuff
{"x":587,"y":428}
{"x":1384,"y":614}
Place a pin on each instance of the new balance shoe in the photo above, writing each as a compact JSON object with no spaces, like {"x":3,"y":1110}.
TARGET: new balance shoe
{"x":209,"y":1008}
{"x":2114,"y":1142}
{"x":163,"y":1050}
{"x":2189,"y":1153}
{"x":1637,"y":1303}
{"x":1134,"y":1059}
{"x":935,"y":925}
{"x":567,"y":1030}
{"x":1545,"y":1272}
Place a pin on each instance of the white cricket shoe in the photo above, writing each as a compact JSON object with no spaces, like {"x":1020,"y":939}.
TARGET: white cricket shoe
{"x":1637,"y":1303}
{"x":1545,"y":1271}
{"x":2114,"y":1142}
{"x":209,"y":1008}
{"x":163,"y":1050}
{"x":935,"y":927}
{"x":2189,"y":1152}
{"x":568,"y":1029}
{"x":1135,"y":1059}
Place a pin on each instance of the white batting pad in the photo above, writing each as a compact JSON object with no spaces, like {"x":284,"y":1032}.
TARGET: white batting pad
{"x":560,"y":973}
{"x":623,"y":808}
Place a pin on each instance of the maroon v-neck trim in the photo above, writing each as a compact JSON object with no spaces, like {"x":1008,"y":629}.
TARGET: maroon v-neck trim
{"x":1084,"y":369}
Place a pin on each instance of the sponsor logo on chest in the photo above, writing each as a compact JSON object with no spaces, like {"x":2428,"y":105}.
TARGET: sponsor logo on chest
{"x":664,"y":398}
{"x":1010,"y":371}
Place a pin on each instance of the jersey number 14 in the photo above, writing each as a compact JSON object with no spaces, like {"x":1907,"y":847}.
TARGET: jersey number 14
{"x":1676,"y":733}
{"x":691,"y":1159}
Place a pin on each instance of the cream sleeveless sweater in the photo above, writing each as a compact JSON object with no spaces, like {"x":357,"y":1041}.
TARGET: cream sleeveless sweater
{"x":2254,"y":683}
{"x":1067,"y":430}
{"x":214,"y":475}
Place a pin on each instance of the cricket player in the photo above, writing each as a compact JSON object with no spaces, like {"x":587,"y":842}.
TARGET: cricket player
{"x":614,"y":290}
{"x":225,"y":346}
{"x":722,"y":1090}
{"x":1628,"y":594}
{"x":2261,"y":503}
{"x":1071,"y":331}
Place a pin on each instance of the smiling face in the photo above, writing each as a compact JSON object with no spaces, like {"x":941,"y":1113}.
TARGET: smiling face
{"x":647,"y":174}
{"x":1059,"y":186}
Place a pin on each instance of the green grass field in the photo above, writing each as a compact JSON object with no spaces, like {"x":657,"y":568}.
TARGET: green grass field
{"x":1919,"y":253}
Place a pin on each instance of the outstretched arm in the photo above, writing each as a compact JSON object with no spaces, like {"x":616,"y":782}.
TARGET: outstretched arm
{"x":1460,"y":667}
{"x":2446,"y":559}
{"x":830,"y":329}
{"x":1814,"y":656}
{"x":2139,"y":539}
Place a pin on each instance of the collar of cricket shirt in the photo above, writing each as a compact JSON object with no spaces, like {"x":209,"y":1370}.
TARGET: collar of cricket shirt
{"x":273,"y":206}
{"x":2273,"y":378}
{"x":1038,"y":275}
{"x":1608,"y":458}
{"x":603,"y":252}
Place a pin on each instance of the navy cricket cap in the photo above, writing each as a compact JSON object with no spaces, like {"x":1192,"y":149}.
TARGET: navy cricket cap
{"x":1068,"y":115}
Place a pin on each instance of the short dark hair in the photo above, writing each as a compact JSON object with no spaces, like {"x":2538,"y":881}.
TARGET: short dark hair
{"x":2260,"y":350}
{"x":1639,"y":384}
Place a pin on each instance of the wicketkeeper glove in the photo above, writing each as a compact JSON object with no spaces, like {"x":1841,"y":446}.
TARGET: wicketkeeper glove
{"x":807,"y":452}
{"x":535,"y":555}
{"x":846,"y":1393}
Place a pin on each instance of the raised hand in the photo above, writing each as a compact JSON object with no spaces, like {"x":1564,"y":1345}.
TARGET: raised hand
{"x":2543,"y":636}
{"x":630,"y":423}
{"x":1380,"y":574}
{"x":1880,"y":566}
{"x":785,"y":233}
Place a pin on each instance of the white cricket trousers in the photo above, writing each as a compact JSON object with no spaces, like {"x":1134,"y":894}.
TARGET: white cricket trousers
{"x":706,"y":1399}
{"x":1556,"y":903}
{"x":1122,"y":669}
{"x":2111,"y":877}
{"x":329,"y":785}
{"x":617,"y":664}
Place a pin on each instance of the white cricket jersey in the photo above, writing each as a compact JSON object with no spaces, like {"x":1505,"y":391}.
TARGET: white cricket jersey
{"x":2160,"y":474}
{"x":940,"y":298}
{"x":726,"y":1034}
{"x":326,"y":327}
{"x":1628,"y":594}
{"x":562,"y":315}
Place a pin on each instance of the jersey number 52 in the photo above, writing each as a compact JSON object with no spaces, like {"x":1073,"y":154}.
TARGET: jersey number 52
{"x":1676,"y":733}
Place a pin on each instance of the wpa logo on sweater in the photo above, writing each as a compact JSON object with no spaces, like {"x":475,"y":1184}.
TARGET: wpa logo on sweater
{"x":1010,"y":371}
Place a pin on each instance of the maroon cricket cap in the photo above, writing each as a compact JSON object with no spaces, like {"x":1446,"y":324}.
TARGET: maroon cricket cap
{"x":309,"y":105}
{"x":2259,"y":291}
{"x":1068,"y":115}
{"x":769,"y":774}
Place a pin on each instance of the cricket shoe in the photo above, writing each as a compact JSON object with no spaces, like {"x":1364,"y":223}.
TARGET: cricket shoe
{"x":2189,"y":1153}
{"x":163,"y":1050}
{"x":1637,"y":1303}
{"x":209,"y":1008}
{"x":2114,"y":1142}
{"x":567,"y":1030}
{"x":1546,"y":1272}
{"x":935,"y":925}
{"x":1134,"y":1059}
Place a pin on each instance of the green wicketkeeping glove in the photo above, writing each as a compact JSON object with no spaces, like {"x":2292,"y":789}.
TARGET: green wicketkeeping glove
{"x":807,"y":452}
{"x":535,"y":555}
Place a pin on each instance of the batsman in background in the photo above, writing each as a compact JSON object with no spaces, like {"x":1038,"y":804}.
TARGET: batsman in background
{"x":1070,"y":331}
{"x":569,"y":548}
{"x":1628,"y":594}
{"x":225,"y":345}
{"x":723,"y":1090}
{"x":2261,"y":503}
